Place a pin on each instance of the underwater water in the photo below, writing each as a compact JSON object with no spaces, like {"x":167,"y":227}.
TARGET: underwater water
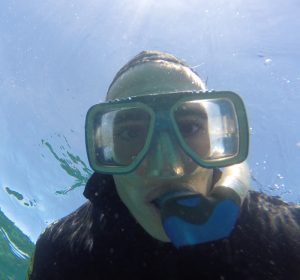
{"x":58,"y":58}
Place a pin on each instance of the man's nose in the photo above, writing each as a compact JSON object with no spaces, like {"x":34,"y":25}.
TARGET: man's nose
{"x":164,"y":158}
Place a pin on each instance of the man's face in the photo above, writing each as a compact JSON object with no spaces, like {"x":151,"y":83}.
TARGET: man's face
{"x":165,"y":166}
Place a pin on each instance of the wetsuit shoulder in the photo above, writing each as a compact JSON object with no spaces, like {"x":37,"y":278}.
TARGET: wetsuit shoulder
{"x":266,"y":236}
{"x":61,"y":242}
{"x":272,"y":215}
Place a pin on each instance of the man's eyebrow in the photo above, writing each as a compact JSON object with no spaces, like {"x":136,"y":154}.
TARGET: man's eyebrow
{"x":192,"y":110}
{"x":129,"y":116}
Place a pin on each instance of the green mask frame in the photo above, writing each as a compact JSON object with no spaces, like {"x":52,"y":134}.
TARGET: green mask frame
{"x":113,"y":148}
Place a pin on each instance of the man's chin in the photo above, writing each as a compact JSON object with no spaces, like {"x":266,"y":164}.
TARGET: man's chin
{"x":155,"y":228}
{"x":159,"y":235}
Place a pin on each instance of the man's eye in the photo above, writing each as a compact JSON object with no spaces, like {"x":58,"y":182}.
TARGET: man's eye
{"x":190,"y":128}
{"x":131,"y":133}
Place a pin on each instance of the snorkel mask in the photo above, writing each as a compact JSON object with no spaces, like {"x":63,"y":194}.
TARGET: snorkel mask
{"x":210,"y":127}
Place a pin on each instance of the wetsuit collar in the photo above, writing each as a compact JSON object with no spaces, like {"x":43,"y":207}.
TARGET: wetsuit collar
{"x":98,"y":186}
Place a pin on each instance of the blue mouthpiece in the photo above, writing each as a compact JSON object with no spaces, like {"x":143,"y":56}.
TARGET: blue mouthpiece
{"x":190,"y":218}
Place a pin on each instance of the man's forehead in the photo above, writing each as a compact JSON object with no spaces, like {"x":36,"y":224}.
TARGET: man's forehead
{"x":153,"y":77}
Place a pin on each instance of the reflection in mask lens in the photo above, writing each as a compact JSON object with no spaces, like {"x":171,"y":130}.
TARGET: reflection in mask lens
{"x":209,"y":128}
{"x":120,"y":135}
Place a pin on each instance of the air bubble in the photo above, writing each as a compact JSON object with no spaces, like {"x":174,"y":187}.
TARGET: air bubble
{"x":286,"y":80}
{"x":280,"y":176}
{"x":268,"y":61}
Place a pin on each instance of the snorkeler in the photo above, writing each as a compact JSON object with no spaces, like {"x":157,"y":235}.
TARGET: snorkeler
{"x":170,"y":196}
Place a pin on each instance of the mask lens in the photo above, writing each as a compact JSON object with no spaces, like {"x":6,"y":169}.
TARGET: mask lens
{"x":120,"y":135}
{"x":209,"y":128}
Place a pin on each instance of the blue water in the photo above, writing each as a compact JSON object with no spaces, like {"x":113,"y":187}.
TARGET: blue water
{"x":58,"y":58}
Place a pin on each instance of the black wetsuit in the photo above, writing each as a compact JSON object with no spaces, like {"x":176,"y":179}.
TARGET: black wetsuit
{"x":101,"y":240}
